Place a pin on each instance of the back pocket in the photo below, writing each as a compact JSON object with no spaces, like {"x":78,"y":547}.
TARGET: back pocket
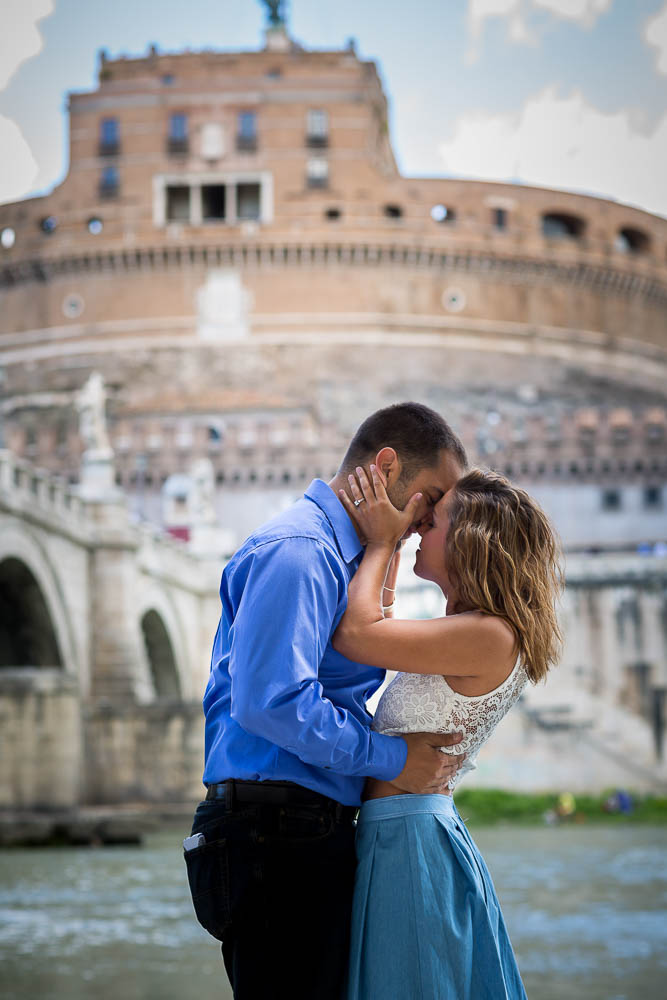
{"x":208,"y":875}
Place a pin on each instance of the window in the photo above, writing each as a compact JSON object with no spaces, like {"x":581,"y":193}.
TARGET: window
{"x":8,"y":238}
{"x":611,"y":499}
{"x":317,"y":173}
{"x":178,"y":133}
{"x":632,"y":241}
{"x":215,"y":198}
{"x":248,"y":201}
{"x":441,"y":213}
{"x":317,"y":128}
{"x":620,"y":434}
{"x":48,"y":224}
{"x":109,"y":182}
{"x":178,"y":203}
{"x":332,"y":214}
{"x":557,"y":226}
{"x":246,"y":136}
{"x":393,"y":211}
{"x":109,"y":137}
{"x":213,"y":202}
{"x":95,"y":226}
{"x":499,"y":218}
{"x":653,"y":497}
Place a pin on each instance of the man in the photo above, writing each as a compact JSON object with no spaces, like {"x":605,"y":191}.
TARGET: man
{"x":288,"y":738}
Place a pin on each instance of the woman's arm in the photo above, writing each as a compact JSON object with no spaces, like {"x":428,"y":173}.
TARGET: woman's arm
{"x":465,"y":645}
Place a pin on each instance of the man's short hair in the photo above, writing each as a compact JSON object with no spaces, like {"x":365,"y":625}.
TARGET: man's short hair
{"x":416,"y":433}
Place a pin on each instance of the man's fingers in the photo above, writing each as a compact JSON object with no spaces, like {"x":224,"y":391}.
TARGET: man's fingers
{"x":444,"y":739}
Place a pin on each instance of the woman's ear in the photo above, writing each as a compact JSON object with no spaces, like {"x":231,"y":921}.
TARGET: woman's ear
{"x":389,"y":465}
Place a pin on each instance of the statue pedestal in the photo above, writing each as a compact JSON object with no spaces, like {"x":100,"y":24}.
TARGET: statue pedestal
{"x":208,"y":540}
{"x":98,"y":476}
{"x":277,"y":39}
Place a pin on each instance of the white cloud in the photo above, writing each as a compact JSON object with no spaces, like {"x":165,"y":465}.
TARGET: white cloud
{"x":518,"y":12}
{"x":19,"y":36}
{"x":18,"y":169}
{"x":563,"y":142}
{"x":20,"y":40}
{"x":655,"y":35}
{"x":586,"y":11}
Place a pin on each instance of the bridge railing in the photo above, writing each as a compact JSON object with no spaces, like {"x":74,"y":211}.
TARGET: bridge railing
{"x":28,"y":489}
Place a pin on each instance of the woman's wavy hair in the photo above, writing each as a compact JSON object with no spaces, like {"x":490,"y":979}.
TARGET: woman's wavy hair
{"x":503,"y":557}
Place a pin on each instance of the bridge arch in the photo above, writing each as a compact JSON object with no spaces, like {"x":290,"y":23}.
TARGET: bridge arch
{"x":160,"y":653}
{"x":27,"y":635}
{"x":164,"y":644}
{"x":32,"y":590}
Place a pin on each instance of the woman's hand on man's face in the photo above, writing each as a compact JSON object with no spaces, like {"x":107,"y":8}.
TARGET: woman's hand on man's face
{"x":374,"y":514}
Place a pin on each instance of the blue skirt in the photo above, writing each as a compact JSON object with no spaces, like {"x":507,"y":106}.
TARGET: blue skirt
{"x":426,"y":922}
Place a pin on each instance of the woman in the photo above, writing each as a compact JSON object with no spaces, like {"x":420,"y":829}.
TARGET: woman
{"x":426,"y":919}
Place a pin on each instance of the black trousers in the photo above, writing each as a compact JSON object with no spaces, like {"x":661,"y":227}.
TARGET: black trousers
{"x":274,"y":883}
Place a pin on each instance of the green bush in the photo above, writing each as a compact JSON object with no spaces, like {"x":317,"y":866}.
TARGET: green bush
{"x":490,"y":805}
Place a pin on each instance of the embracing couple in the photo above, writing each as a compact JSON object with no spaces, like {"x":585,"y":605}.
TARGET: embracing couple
{"x":328,"y":856}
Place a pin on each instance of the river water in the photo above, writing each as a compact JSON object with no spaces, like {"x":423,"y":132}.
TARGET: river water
{"x":586,"y":908}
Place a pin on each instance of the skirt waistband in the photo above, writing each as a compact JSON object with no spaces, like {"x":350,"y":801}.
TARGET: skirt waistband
{"x":406,"y":805}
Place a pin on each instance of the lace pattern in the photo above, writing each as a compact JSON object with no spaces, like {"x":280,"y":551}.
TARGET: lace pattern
{"x":417,"y":703}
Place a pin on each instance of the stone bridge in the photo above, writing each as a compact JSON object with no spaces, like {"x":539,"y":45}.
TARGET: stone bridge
{"x":105,"y":637}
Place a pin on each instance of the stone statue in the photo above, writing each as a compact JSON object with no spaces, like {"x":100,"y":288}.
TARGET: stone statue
{"x":90,"y":402}
{"x":275,"y":13}
{"x":201,"y":497}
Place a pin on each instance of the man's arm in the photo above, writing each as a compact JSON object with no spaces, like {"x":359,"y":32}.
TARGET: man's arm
{"x":288,"y":592}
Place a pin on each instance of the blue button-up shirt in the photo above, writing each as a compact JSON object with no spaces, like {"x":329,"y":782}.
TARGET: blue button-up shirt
{"x":281,"y":704}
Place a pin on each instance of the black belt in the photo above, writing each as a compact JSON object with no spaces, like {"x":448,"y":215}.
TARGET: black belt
{"x":276,"y":793}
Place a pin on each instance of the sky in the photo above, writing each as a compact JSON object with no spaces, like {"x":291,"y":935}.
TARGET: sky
{"x":558,"y":93}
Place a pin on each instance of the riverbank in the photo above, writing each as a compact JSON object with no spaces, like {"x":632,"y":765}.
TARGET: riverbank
{"x":129,"y":824}
{"x":488,"y":806}
{"x":92,"y":826}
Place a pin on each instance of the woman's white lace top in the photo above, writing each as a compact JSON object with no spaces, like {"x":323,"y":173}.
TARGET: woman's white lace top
{"x":425,"y":703}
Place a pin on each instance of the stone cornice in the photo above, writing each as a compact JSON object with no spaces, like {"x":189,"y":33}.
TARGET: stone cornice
{"x":516,"y":270}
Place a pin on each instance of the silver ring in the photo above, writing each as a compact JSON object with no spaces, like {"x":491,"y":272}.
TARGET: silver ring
{"x":360,"y":500}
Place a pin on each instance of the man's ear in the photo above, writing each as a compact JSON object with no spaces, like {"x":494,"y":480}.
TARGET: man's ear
{"x":389,"y":465}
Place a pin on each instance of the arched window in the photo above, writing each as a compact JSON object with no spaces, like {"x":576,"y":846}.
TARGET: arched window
{"x":630,"y":240}
{"x":560,"y":226}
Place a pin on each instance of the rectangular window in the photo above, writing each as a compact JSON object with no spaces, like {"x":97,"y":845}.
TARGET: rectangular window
{"x":178,"y":203}
{"x":213,"y":202}
{"x":109,"y":182}
{"x":246,"y":135}
{"x":248,"y":201}
{"x":653,"y":498}
{"x":317,"y":128}
{"x":109,"y":136}
{"x":177,"y":141}
{"x":611,"y":499}
{"x":500,"y":218}
{"x":317,"y":173}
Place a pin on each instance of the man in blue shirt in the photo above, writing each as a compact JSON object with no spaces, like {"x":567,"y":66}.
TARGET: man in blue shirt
{"x":288,"y":737}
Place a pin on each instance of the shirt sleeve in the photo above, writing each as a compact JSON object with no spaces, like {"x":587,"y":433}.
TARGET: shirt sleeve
{"x":288,"y":595}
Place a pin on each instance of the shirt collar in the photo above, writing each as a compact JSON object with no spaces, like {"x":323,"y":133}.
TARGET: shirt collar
{"x":346,"y":536}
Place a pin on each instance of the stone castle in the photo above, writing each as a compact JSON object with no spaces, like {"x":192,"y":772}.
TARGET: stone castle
{"x":235,"y":258}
